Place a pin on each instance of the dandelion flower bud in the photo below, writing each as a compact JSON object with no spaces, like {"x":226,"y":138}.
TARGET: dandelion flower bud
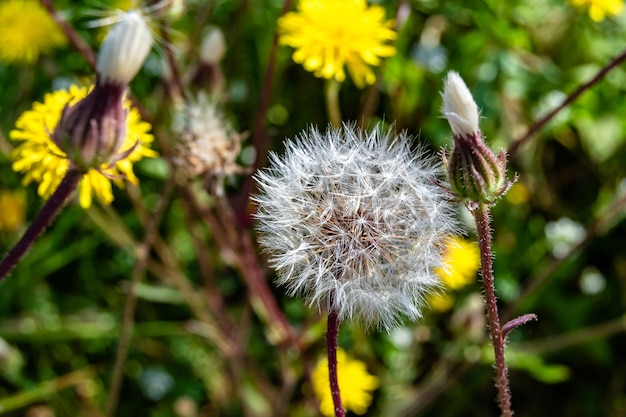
{"x":124,"y":49}
{"x":354,"y":223}
{"x":459,"y":106}
{"x":476,"y":174}
{"x":92,"y":131}
{"x":213,"y":47}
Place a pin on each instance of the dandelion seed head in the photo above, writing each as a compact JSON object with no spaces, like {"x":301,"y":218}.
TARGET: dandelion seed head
{"x":354,"y":222}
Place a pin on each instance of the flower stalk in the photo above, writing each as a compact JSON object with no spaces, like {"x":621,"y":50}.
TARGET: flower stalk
{"x":48,"y":212}
{"x":331,"y":93}
{"x":478,"y":178}
{"x":483,"y":229}
{"x":331,"y":350}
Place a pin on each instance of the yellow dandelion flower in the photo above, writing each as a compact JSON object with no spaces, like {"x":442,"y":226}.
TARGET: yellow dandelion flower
{"x":12,"y":209}
{"x":42,"y":161}
{"x":355,"y":384}
{"x":329,"y":35}
{"x":26,"y":31}
{"x":461,"y":260}
{"x":600,"y":9}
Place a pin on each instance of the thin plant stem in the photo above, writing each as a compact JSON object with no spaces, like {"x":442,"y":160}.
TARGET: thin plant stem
{"x":131,"y":301}
{"x":75,"y":40}
{"x":45,"y":216}
{"x":483,"y":229}
{"x":332,"y":102}
{"x":542,"y":121}
{"x":331,"y":349}
{"x":260,"y":140}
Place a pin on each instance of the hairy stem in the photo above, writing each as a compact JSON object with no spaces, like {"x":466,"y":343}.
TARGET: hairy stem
{"x":332,"y":102}
{"x":481,"y":216}
{"x":331,"y":348}
{"x":45,"y":216}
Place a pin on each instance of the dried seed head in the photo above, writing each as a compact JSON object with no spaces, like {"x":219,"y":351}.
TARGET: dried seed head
{"x":207,"y":143}
{"x":353,"y":222}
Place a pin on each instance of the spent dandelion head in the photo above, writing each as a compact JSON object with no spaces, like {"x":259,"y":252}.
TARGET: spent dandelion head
{"x":476,"y":174}
{"x":331,"y":35}
{"x":600,"y":9}
{"x":26,"y":31}
{"x":355,"y":382}
{"x":207,"y":144}
{"x":354,"y":223}
{"x":42,"y":161}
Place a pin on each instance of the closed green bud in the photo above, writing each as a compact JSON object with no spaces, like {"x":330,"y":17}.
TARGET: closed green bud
{"x":476,"y":174}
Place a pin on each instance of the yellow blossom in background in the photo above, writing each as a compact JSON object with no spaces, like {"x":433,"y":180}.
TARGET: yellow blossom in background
{"x":600,"y":9}
{"x":42,"y":161}
{"x":328,"y":35}
{"x":355,"y":384}
{"x":26,"y":31}
{"x":12,"y":209}
{"x":461,"y":260}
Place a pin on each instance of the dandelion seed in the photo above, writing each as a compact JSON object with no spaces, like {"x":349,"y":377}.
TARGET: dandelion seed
{"x":331,"y":35}
{"x":354,"y":223}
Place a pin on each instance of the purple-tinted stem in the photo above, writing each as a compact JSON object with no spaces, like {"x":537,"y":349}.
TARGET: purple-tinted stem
{"x":516,"y":322}
{"x":483,"y":229}
{"x":541,"y":122}
{"x":41,"y":222}
{"x":331,"y":348}
{"x":77,"y":42}
{"x":260,"y":140}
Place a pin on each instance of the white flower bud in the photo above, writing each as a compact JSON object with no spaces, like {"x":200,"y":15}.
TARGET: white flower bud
{"x":213,"y":47}
{"x":124,"y":49}
{"x":459,"y":106}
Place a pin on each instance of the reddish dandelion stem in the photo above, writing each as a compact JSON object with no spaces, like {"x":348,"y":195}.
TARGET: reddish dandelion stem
{"x":481,"y":216}
{"x":45,"y":216}
{"x":331,"y":347}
